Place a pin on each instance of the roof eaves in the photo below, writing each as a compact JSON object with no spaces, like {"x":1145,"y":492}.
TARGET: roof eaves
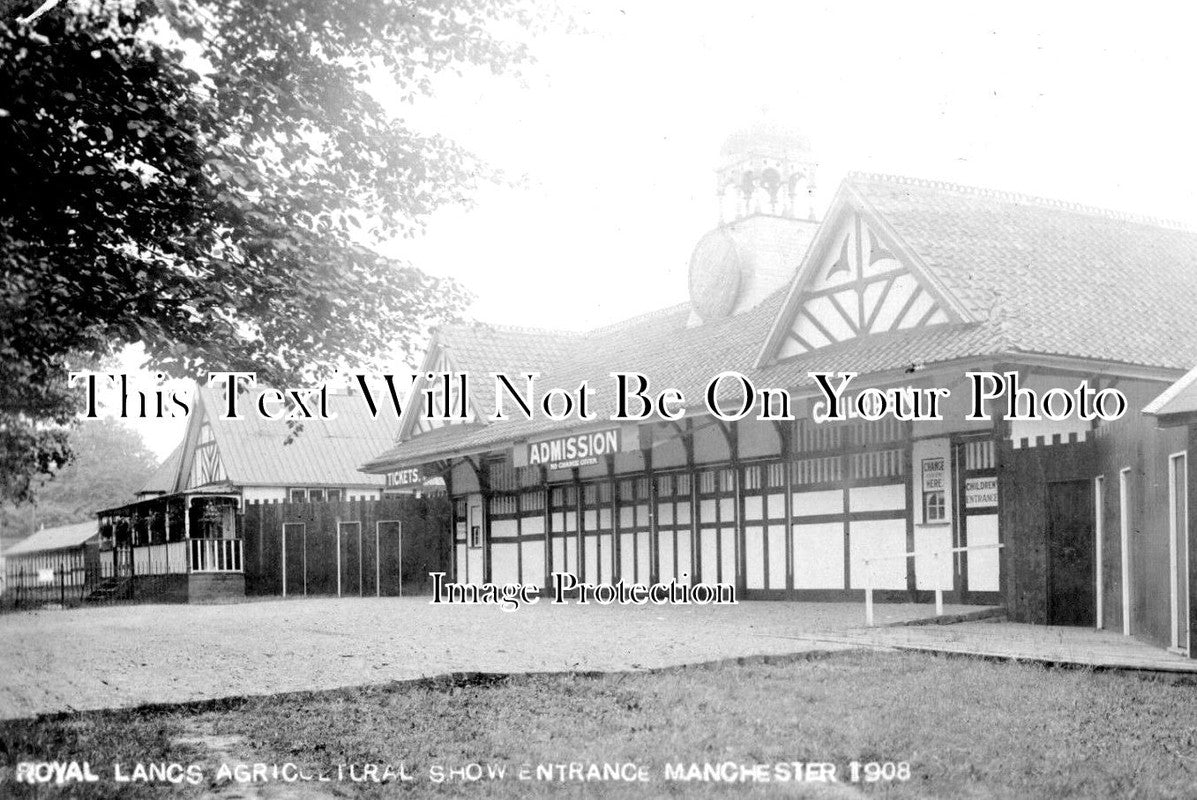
{"x":1158,"y":406}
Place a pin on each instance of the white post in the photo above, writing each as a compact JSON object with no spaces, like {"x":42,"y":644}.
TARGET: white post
{"x":938,"y":586}
{"x":166,"y":532}
{"x":868,"y":593}
{"x":284,"y":560}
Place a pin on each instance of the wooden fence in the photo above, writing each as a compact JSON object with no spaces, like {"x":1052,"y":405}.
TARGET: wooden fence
{"x":345,"y":548}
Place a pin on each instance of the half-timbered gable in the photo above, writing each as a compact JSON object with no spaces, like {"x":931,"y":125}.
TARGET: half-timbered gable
{"x":438,"y":402}
{"x":206,"y":465}
{"x":263,"y":459}
{"x":856,"y":280}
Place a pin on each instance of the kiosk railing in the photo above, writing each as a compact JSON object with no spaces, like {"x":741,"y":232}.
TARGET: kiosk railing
{"x":215,"y":555}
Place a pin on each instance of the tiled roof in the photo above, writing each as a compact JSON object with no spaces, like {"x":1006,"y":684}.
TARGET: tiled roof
{"x":1035,"y":276}
{"x":163,"y":479}
{"x":1058,"y":278}
{"x":54,"y":539}
{"x":673,"y":355}
{"x":479,"y":349}
{"x":255,"y":452}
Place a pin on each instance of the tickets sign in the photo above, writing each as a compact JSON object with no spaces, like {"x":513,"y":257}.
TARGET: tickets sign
{"x":410,"y":478}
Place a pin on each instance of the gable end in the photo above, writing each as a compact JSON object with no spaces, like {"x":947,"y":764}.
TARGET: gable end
{"x":857,"y":280}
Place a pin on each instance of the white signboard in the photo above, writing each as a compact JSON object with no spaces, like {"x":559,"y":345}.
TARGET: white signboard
{"x":980,"y":492}
{"x":411,"y":478}
{"x":932,"y":474}
{"x":45,"y":576}
{"x":577,"y":450}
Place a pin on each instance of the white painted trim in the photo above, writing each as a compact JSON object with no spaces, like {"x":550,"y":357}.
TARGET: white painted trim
{"x":1099,"y":490}
{"x":1124,"y":533}
{"x":1173,"y":523}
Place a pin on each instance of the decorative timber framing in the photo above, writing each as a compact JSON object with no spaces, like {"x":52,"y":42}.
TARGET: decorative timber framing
{"x":839,"y":293}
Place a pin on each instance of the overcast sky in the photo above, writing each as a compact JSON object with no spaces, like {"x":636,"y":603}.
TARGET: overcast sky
{"x":619,"y":138}
{"x":617,"y":131}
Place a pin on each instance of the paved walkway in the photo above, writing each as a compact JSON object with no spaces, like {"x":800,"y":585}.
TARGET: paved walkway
{"x":125,"y":656}
{"x":1041,"y":643}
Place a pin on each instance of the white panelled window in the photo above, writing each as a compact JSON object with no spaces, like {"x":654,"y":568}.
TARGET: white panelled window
{"x":313,"y":495}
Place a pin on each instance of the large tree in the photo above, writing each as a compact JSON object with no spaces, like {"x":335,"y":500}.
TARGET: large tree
{"x":109,"y":463}
{"x":210,"y":177}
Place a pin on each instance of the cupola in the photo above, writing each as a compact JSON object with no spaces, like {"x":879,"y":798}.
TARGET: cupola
{"x":767,"y":168}
{"x":766,"y":190}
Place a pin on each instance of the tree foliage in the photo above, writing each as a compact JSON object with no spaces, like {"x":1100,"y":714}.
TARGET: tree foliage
{"x":210,"y":178}
{"x":109,"y":464}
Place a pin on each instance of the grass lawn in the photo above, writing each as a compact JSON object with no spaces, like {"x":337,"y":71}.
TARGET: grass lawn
{"x":966,"y":728}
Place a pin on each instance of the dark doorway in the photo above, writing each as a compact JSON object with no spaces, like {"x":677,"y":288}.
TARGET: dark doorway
{"x":1071,"y":596}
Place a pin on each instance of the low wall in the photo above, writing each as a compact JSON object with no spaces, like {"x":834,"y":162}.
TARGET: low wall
{"x":215,"y":587}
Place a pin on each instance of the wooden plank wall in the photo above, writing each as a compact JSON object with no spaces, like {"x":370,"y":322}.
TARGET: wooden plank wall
{"x":1136,"y":443}
{"x":327,"y":528}
{"x":1023,"y":475}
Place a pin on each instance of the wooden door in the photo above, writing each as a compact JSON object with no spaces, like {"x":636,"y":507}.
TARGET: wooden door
{"x":1071,"y":592}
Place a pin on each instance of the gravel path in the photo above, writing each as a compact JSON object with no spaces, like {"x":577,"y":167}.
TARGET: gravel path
{"x":127,"y":656}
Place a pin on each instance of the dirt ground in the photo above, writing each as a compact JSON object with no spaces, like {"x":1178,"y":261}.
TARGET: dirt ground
{"x":128,"y":656}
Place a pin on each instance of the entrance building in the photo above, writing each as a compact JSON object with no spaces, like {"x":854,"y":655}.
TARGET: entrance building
{"x":906,"y":283}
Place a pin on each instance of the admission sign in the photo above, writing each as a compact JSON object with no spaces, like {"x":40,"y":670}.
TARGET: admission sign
{"x":577,"y":450}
